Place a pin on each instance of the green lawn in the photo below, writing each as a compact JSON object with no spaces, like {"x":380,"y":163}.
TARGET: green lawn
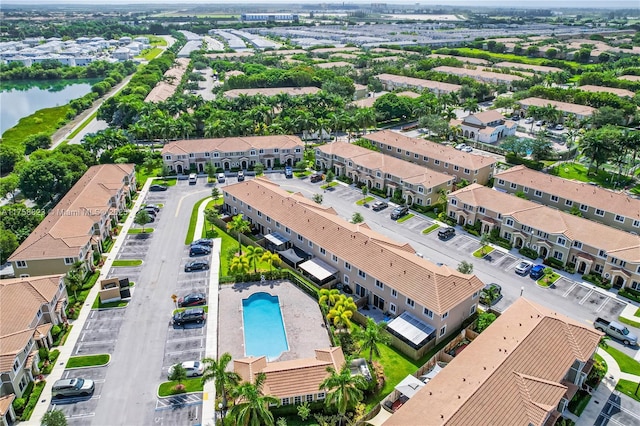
{"x":118,"y":304}
{"x":46,"y":120}
{"x":302,"y":174}
{"x":122,"y":262}
{"x":193,"y":384}
{"x":601,"y":361}
{"x":431,"y":228}
{"x":405,"y":218}
{"x":155,"y":40}
{"x":628,"y":388}
{"x":625,"y":362}
{"x":82,"y":126}
{"x":329,"y":185}
{"x":229,"y":243}
{"x":149,"y":54}
{"x":88,"y":361}
{"x":577,"y":171}
{"x":629,"y":322}
{"x":192,"y":222}
{"x":364,"y":201}
{"x":140,"y":230}
{"x":482,"y":253}
{"x":547,"y":281}
{"x":465,"y":51}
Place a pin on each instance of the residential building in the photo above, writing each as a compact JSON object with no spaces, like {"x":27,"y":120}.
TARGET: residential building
{"x":590,"y":246}
{"x":271,"y":91}
{"x":269,"y":17}
{"x":385,"y":275}
{"x":480,"y":75}
{"x":294,"y":381}
{"x":528,"y":67}
{"x":7,"y":414}
{"x":475,"y":61}
{"x":579,"y":111}
{"x":338,"y":64}
{"x":524,"y":369}
{"x":488,"y":126}
{"x":615,"y":209}
{"x":232,"y":153}
{"x":29,"y":308}
{"x":441,"y":158}
{"x":376,"y":170}
{"x":614,"y":90}
{"x":392,"y":82}
{"x":76,"y":227}
{"x":630,"y":77}
{"x":169,"y":83}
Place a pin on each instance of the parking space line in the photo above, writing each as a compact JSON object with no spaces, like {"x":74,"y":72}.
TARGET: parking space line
{"x":570,"y":289}
{"x":182,"y":339}
{"x":513,"y":265}
{"x":586,"y":296}
{"x":199,"y":350}
{"x":601,"y":307}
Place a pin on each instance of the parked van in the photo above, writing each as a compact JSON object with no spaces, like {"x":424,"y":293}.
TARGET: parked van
{"x":193,"y":179}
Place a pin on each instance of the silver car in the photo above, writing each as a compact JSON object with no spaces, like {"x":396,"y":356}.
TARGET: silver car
{"x":72,"y":387}
{"x":193,"y":368}
{"x":523,"y":267}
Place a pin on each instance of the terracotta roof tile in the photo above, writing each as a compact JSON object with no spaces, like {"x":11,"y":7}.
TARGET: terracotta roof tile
{"x":418,"y":82}
{"x":614,"y":90}
{"x":560,"y":106}
{"x":235,"y":144}
{"x":536,"y":68}
{"x":272,"y":91}
{"x":5,"y":403}
{"x":478,"y":74}
{"x":168,"y":85}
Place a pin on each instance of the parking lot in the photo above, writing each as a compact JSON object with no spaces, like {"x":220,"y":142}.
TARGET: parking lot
{"x":619,"y":410}
{"x":79,"y":410}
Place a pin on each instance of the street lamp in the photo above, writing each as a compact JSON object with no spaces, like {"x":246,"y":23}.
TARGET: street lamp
{"x":521,"y":291}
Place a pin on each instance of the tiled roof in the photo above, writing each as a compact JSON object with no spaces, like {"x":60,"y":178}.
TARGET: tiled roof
{"x":373,"y":160}
{"x":537,"y":68}
{"x":272,"y":91}
{"x":630,"y":77}
{"x":167,"y":86}
{"x":488,"y":116}
{"x":68,"y":226}
{"x":431,"y":149}
{"x":236,"y":144}
{"x":476,"y":61}
{"x":620,"y":244}
{"x":435,"y":287}
{"x":560,"y":106}
{"x":509,"y":375}
{"x":614,"y":90}
{"x":5,"y":403}
{"x":337,"y":64}
{"x":418,"y":82}
{"x":476,"y":73}
{"x":578,"y":192}
{"x":286,"y":379}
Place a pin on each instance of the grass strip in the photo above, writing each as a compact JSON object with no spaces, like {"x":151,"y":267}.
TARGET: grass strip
{"x":133,"y":262}
{"x":364,"y":201}
{"x":150,"y":54}
{"x":482,"y":252}
{"x":205,"y":307}
{"x":629,"y":322}
{"x":84,"y":124}
{"x":140,"y":231}
{"x":431,"y":228}
{"x":117,"y":304}
{"x":405,"y":218}
{"x":548,"y":280}
{"x":625,"y":362}
{"x":88,"y":361}
{"x":193,"y":221}
{"x":628,"y":388}
{"x":329,"y":185}
{"x":193,"y":384}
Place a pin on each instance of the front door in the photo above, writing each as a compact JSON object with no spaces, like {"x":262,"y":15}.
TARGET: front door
{"x":378,"y":302}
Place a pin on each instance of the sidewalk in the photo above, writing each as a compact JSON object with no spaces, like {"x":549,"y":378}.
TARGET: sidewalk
{"x":66,"y":350}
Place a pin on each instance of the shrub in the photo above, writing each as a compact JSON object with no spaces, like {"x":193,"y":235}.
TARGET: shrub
{"x":484,"y":320}
{"x":346,"y":179}
{"x":18,"y":405}
{"x":43,"y":353}
{"x":527,"y":252}
{"x":554,"y":263}
{"x":630,"y":293}
{"x":33,"y":400}
{"x":55,"y":331}
{"x":535,"y":165}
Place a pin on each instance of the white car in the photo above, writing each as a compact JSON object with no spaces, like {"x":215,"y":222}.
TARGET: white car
{"x":193,"y":368}
{"x":528,"y":120}
{"x":467,"y":149}
{"x":559,"y":127}
{"x":524,"y":267}
{"x":461,"y":146}
{"x":539,"y":123}
{"x":221,"y":177}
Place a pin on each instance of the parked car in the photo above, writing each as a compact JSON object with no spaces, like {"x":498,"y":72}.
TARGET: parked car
{"x":240,"y":176}
{"x":152,"y":213}
{"x":523,"y":268}
{"x":288,"y":172}
{"x":192,"y":299}
{"x":208,"y":242}
{"x":72,"y":387}
{"x":460,"y":146}
{"x":528,"y":120}
{"x":379,"y":205}
{"x":316,"y":177}
{"x":221,"y":178}
{"x":190,"y":315}
{"x":157,"y":188}
{"x":199,"y":251}
{"x":559,"y":127}
{"x":196,"y":265}
{"x":398,"y":212}
{"x":491,"y":294}
{"x":539,"y":123}
{"x":193,"y":179}
{"x":515,"y":118}
{"x":617,"y":330}
{"x":467,"y":149}
{"x":193,"y":368}
{"x":446,"y":233}
{"x":153,"y":207}
{"x":537,"y":272}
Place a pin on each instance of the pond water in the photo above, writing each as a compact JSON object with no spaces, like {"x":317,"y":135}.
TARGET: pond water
{"x":21,"y":99}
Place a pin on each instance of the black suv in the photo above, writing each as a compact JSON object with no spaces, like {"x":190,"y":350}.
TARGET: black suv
{"x":187,"y":316}
{"x":196,"y":265}
{"x":316,"y":177}
{"x":199,"y":250}
{"x":207,"y":242}
{"x":446,"y":233}
{"x":398,"y":212}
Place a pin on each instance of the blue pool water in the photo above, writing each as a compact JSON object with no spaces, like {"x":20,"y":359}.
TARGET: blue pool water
{"x":263,"y":326}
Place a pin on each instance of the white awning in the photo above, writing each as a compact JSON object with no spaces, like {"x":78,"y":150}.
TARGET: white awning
{"x":409,"y":386}
{"x":276,"y":239}
{"x":318,"y":269}
{"x":410,"y":328}
{"x":432,"y":373}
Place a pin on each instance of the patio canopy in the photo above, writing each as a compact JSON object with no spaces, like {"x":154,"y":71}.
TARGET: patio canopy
{"x":432,"y":373}
{"x":411,"y":330}
{"x":291,"y":255}
{"x":276,"y":239}
{"x":318,"y":269}
{"x":409,"y":386}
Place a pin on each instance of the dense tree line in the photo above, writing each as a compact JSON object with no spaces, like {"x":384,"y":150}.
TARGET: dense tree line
{"x":54,"y":70}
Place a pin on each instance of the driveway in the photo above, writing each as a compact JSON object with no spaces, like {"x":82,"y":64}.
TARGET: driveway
{"x":619,"y":410}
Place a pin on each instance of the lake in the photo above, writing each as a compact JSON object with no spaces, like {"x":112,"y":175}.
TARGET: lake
{"x":21,"y":99}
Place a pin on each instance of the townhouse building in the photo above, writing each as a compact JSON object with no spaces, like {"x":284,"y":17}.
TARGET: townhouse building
{"x":232,"y":153}
{"x":76,"y":227}
{"x":597,"y":89}
{"x":615,"y":209}
{"x":522,"y":370}
{"x":393,"y":82}
{"x":579,"y":111}
{"x":480,"y":75}
{"x":29,"y":308}
{"x":271,"y":91}
{"x":385,"y":275}
{"x":488,"y":126}
{"x":535,"y":68}
{"x":591,"y":246}
{"x":466,"y":60}
{"x":441,"y":158}
{"x":417,"y":184}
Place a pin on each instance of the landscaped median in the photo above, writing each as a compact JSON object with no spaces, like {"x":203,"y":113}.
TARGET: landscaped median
{"x":405,"y":218}
{"x":364,"y":201}
{"x":329,"y":185}
{"x":548,"y":279}
{"x":88,"y":361}
{"x":127,"y":262}
{"x":630,"y":321}
{"x":171,"y":388}
{"x":205,"y":307}
{"x":483,"y":251}
{"x":431,"y":228}
{"x":140,"y":231}
{"x":629,"y":388}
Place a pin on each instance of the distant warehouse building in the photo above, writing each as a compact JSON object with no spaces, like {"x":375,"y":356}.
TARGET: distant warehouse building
{"x":270,"y":17}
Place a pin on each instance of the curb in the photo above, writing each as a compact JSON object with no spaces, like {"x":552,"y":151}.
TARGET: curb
{"x":88,"y":366}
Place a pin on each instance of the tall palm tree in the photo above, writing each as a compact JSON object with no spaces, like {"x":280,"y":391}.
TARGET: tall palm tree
{"x":254,"y":255}
{"x":239,"y":225}
{"x":372,"y":336}
{"x":271,"y":259}
{"x":252,"y":405}
{"x":342,"y":312}
{"x":225,"y":381}
{"x":239,"y":265}
{"x":343,"y":389}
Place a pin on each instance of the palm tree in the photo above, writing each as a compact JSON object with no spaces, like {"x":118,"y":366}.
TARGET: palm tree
{"x":210,"y":215}
{"x":373,"y":335}
{"x":254,"y":255}
{"x":239,"y":225}
{"x":74,"y":279}
{"x":252,"y":405}
{"x":225,"y":381}
{"x":239,"y":265}
{"x":342,"y":312}
{"x":484,"y":241}
{"x":344,"y":390}
{"x":328,"y":297}
{"x":271,"y":259}
{"x":471,"y":105}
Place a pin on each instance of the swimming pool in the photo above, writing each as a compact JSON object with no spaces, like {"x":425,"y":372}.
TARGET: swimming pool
{"x":264,"y":332}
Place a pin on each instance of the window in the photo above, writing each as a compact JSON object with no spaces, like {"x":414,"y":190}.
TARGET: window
{"x":513,"y":185}
{"x":428,"y":313}
{"x":16,"y":365}
{"x":436,"y":162}
{"x":321,"y":396}
{"x":475,"y":294}
{"x":415,"y":156}
{"x":568,"y":203}
{"x":454,"y":202}
{"x":392,"y":308}
{"x":500,"y":181}
{"x":456,"y":168}
{"x":525,"y":189}
{"x":443,"y":330}
{"x":287,"y":230}
{"x":599,"y":212}
{"x":297,"y":399}
{"x":584,"y":207}
{"x":21,"y":264}
{"x":268,"y":219}
{"x":636,"y":223}
{"x":362,"y":274}
{"x":558,"y":255}
{"x":425,"y":159}
{"x":347,"y":266}
{"x":602,"y":254}
{"x":445,"y":315}
{"x":410,"y":302}
{"x":310,"y":244}
{"x":577,"y":244}
{"x":380,"y":284}
{"x":285,"y":401}
{"x":334,"y":258}
{"x":346,"y":279}
{"x":276,"y":150}
{"x":554,"y":198}
{"x":394,"y":293}
{"x":481,"y":210}
{"x":538,"y":193}
{"x":562,"y":241}
{"x":619,"y":218}
{"x":472,"y":310}
{"x":309,"y":398}
{"x":300,"y":238}
{"x":323,"y":251}
{"x":278,"y":226}
{"x":509,"y":222}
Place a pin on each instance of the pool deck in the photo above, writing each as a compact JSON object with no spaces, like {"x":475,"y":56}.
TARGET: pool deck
{"x":301,"y":314}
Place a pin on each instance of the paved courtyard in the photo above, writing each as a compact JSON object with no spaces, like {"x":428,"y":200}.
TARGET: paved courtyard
{"x":301,"y":314}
